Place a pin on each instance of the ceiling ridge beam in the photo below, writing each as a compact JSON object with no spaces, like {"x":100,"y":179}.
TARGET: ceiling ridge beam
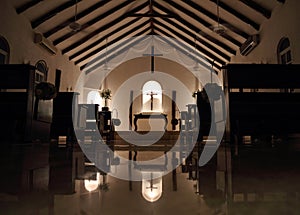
{"x":196,"y":29}
{"x":27,"y":6}
{"x":99,"y":30}
{"x":206,"y":44}
{"x":238,"y":15}
{"x":94,"y":52}
{"x":190,"y":42}
{"x":79,"y":16}
{"x":215,"y":18}
{"x":188,"y":50}
{"x":258,"y":8}
{"x":38,"y":21}
{"x":124,"y":43}
{"x":87,"y":48}
{"x":93,"y":21}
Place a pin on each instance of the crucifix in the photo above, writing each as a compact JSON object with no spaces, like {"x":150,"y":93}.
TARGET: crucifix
{"x":152,"y":58}
{"x":151,"y":94}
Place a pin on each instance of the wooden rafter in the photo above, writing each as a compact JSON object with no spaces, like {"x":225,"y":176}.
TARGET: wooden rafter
{"x":258,"y":8}
{"x":216,"y":18}
{"x":79,"y":16}
{"x":206,"y":24}
{"x":191,"y":43}
{"x":192,"y":34}
{"x":101,"y":29}
{"x":238,"y":15}
{"x":182,"y":47}
{"x":117,"y":50}
{"x":93,"y":21}
{"x":90,"y":46}
{"x":38,"y":21}
{"x":124,"y":35}
{"x":27,"y":5}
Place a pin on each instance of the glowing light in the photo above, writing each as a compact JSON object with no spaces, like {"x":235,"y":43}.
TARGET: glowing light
{"x":92,"y":185}
{"x":152,"y":187}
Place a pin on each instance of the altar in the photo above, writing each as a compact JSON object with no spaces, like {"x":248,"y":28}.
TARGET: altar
{"x":149,"y":115}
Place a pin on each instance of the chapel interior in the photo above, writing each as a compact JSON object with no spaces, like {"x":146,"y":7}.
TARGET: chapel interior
{"x":149,"y":107}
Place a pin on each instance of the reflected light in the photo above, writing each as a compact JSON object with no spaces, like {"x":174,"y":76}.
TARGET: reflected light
{"x":152,"y":187}
{"x":92,"y":185}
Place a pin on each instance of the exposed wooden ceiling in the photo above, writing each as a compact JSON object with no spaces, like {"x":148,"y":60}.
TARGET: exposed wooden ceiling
{"x":105,"y":22}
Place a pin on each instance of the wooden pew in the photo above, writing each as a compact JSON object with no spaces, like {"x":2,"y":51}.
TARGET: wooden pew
{"x":20,"y":119}
{"x":269,"y":107}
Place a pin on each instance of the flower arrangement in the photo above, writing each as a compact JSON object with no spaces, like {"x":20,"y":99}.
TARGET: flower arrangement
{"x":45,"y":91}
{"x":106,"y":94}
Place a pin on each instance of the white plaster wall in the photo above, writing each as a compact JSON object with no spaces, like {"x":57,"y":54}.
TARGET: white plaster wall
{"x":132,"y":75}
{"x":20,"y":36}
{"x":284,"y":22}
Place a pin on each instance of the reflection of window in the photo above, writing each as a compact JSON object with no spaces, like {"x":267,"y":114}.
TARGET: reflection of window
{"x":284,"y":51}
{"x":152,"y":96}
{"x":4,"y":51}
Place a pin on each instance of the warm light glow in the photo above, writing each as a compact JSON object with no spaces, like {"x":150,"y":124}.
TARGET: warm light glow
{"x":152,"y":189}
{"x":154,"y":88}
{"x":92,"y":185}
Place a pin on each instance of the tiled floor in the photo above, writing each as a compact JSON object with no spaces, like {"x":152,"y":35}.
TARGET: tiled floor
{"x":37,"y":179}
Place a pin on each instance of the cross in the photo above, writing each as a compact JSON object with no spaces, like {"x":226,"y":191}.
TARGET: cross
{"x":152,"y":58}
{"x":151,"y":183}
{"x":151,"y":94}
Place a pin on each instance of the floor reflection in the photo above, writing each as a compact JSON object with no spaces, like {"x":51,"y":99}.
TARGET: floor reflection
{"x":51,"y":179}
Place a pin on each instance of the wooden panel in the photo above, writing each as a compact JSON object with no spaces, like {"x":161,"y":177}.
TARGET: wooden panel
{"x":263,"y":76}
{"x":15,"y":76}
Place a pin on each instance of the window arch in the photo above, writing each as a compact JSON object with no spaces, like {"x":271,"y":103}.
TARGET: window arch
{"x":4,"y":51}
{"x":93,"y":97}
{"x":284,"y":54}
{"x":152,"y":97}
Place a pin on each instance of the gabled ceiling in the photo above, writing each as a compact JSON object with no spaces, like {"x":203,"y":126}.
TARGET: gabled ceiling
{"x":102,"y":23}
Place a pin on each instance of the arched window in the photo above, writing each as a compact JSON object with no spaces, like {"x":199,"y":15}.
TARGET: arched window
{"x":94,"y":97}
{"x":4,"y":51}
{"x":152,"y":97}
{"x":41,"y":71}
{"x":284,"y":51}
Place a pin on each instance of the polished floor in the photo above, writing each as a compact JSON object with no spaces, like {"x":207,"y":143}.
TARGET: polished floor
{"x":263,"y":178}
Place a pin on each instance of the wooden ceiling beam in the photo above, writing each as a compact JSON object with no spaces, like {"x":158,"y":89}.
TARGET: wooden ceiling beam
{"x":201,"y":21}
{"x":79,"y":16}
{"x":258,"y":8}
{"x":99,"y":30}
{"x":179,"y":46}
{"x":87,"y":48}
{"x":96,"y":51}
{"x":198,"y":30}
{"x":201,"y":41}
{"x":27,"y":6}
{"x":237,"y":14}
{"x":215,"y":18}
{"x":191,"y":43}
{"x":35,"y":23}
{"x":123,"y":46}
{"x":192,"y":34}
{"x":183,"y":48}
{"x":93,"y":21}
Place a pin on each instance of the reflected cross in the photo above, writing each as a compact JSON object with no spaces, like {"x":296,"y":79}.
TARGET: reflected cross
{"x":151,"y":184}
